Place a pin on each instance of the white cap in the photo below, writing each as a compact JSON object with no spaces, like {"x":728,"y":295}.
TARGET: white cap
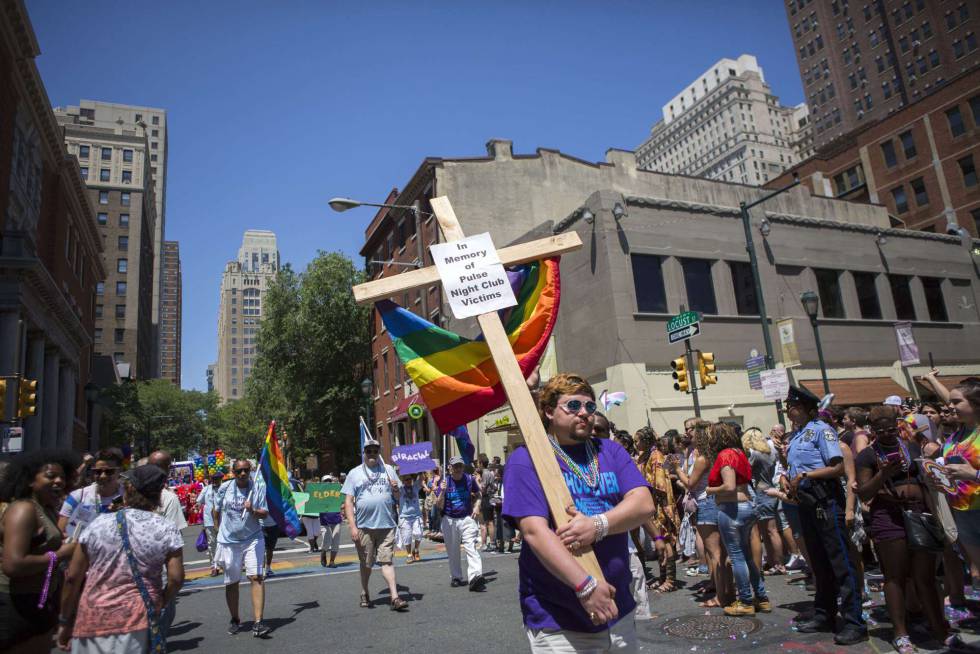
{"x":369,"y":442}
{"x":892,"y":400}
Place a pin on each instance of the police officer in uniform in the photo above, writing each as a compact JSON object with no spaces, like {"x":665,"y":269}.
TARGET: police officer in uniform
{"x":816,"y":467}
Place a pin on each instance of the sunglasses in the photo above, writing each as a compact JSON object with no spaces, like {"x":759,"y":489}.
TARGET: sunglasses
{"x":371,"y":451}
{"x":574,"y":406}
{"x":108,"y":472}
{"x":242,"y":471}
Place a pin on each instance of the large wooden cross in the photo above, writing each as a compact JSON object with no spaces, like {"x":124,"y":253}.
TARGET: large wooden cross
{"x":511,"y":378}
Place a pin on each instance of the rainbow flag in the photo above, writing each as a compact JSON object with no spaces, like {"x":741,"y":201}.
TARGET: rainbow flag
{"x":456,"y":375}
{"x":278,"y":494}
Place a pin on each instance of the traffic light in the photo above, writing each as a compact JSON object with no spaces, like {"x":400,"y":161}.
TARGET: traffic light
{"x":680,"y":374}
{"x":27,"y":398}
{"x":706,"y":368}
{"x":3,"y":399}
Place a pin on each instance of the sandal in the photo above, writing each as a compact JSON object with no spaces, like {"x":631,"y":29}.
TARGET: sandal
{"x":398,"y":604}
{"x":666,"y":587}
{"x":365,"y":602}
{"x":903,"y":645}
{"x":712,"y":603}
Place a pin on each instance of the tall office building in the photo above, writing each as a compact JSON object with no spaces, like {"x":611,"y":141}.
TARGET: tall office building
{"x":243,"y":287}
{"x":171,"y":312}
{"x":727,"y":125}
{"x":150,"y":122}
{"x":116,"y":166}
{"x":861,"y":62}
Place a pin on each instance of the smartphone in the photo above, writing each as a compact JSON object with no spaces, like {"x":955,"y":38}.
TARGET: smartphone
{"x":956,"y":458}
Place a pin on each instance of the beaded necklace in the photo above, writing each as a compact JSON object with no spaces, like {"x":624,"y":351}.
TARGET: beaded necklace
{"x":591,"y":476}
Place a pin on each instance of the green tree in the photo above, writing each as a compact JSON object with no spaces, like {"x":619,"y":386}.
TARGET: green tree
{"x":313,"y":352}
{"x":236,"y":428}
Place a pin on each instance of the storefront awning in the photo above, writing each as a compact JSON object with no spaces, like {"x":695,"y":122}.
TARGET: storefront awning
{"x":400,"y":412}
{"x":867,"y":390}
{"x":949,"y":381}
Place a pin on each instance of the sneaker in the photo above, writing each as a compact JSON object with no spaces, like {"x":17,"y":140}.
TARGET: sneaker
{"x":268,"y":572}
{"x":903,"y":645}
{"x":738,"y":607}
{"x":867,"y":602}
{"x":456,"y":583}
{"x":762,"y":605}
{"x":796,"y":562}
{"x":234,"y":627}
{"x":478,"y":583}
{"x":851,"y":635}
{"x":260,"y":629}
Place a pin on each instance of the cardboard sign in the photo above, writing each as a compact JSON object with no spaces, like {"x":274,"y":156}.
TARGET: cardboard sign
{"x":939,"y":476}
{"x":473,"y":278}
{"x":322,"y":498}
{"x":775,"y":384}
{"x":414,"y":458}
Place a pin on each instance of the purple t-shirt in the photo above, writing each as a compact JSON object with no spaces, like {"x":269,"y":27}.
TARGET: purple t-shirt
{"x":459,"y":496}
{"x":546,"y":602}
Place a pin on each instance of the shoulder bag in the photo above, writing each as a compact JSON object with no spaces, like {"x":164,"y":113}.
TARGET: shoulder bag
{"x":158,"y":643}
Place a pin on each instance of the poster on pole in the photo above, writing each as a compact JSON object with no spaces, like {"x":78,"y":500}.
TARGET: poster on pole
{"x":754,"y":365}
{"x":410,"y":459}
{"x":908,"y":351}
{"x":775,"y":384}
{"x":473,"y":278}
{"x":787,"y":342}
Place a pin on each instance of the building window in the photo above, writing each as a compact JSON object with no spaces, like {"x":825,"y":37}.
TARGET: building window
{"x":122,"y":265}
{"x":155,"y":120}
{"x":888,"y":151}
{"x":124,"y":198}
{"x":908,"y":144}
{"x":123,"y":242}
{"x":153,"y":145}
{"x":933,"y":288}
{"x":919,"y":188}
{"x":700,"y":288}
{"x":867,"y":295}
{"x":746,"y":301}
{"x":124,"y":220}
{"x":84,"y":172}
{"x":384,"y":363}
{"x":955,"y":118}
{"x":103,"y":218}
{"x":127,"y":176}
{"x":121,"y":288}
{"x":106,"y":154}
{"x":103,"y":197}
{"x":128,"y":156}
{"x":968,"y":170}
{"x":83,"y":152}
{"x":648,"y":283}
{"x":100,"y":288}
{"x":98,"y":310}
{"x":98,"y":333}
{"x":975,"y":110}
{"x":103,"y":174}
{"x":901,"y":202}
{"x":120,"y":311}
{"x":828,"y":285}
{"x":902,"y":296}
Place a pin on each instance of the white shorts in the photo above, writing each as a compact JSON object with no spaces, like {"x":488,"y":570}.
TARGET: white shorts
{"x":408,"y":530}
{"x":312,"y":524}
{"x":621,"y":639}
{"x":233,"y":556}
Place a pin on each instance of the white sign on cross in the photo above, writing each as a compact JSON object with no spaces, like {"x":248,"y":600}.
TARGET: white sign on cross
{"x":521,"y":402}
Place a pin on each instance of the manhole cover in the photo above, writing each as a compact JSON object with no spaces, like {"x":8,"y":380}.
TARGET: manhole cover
{"x":711,"y":627}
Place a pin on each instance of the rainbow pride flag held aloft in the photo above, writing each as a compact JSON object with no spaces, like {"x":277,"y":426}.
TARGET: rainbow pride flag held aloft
{"x":456,"y":375}
{"x":278,"y":494}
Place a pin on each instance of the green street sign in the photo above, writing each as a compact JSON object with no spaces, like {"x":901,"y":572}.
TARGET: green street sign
{"x":683,"y":320}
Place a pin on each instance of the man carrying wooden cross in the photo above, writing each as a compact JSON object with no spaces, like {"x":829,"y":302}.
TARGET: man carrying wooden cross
{"x":589,"y":605}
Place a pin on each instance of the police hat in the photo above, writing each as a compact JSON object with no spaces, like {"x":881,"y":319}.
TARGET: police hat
{"x":799,"y":395}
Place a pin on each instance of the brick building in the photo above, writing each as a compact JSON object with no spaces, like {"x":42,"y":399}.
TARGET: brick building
{"x":861,"y":61}
{"x":919,"y":162}
{"x":50,"y":250}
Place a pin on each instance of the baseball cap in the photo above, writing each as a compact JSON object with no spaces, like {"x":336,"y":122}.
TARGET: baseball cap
{"x":370,"y":442}
{"x":893,"y":400}
{"x":147,"y":479}
{"x":456,"y":459}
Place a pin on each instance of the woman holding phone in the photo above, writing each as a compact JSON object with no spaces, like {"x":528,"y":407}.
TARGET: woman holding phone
{"x":961,"y":457}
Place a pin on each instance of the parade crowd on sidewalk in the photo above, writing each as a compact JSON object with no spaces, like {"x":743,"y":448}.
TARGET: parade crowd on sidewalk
{"x":848,"y":501}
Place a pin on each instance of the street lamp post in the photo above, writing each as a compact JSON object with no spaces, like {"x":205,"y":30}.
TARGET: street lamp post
{"x":91,"y":397}
{"x":367,"y":388}
{"x":811,"y":304}
{"x":765,"y":227}
{"x":343,"y":204}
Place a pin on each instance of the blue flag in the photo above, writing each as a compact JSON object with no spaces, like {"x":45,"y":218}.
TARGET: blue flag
{"x":365,"y":435}
{"x":463,"y":442}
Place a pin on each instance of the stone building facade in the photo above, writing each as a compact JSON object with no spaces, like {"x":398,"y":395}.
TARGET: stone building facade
{"x":50,"y":250}
{"x":171,"y":312}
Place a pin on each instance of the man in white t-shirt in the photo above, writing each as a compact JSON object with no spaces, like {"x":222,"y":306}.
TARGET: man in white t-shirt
{"x":82,"y":506}
{"x":169,"y":502}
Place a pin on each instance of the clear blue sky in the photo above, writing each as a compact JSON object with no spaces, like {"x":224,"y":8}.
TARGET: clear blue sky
{"x":273,"y":108}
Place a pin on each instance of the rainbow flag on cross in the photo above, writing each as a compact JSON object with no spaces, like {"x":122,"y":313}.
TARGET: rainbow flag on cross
{"x":278,"y":494}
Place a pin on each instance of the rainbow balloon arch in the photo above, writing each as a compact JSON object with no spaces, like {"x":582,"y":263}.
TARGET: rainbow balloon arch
{"x":187,"y":484}
{"x":206,"y":466}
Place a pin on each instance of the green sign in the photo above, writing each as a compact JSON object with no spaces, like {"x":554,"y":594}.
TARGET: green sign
{"x":683,"y":320}
{"x":415,"y":411}
{"x":319,"y":498}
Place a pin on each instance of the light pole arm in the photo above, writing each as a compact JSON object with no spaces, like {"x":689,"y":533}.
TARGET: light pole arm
{"x":793,"y":184}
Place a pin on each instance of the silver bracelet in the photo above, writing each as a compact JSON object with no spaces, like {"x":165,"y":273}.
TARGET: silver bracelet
{"x":601,"y":523}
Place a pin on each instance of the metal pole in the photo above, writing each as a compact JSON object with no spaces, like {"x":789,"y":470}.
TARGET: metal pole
{"x":424,"y":292}
{"x":692,"y":383}
{"x":823,"y":367}
{"x":760,"y":299}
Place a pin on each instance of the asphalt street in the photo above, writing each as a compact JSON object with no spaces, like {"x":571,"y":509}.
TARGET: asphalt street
{"x":311,"y":608}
